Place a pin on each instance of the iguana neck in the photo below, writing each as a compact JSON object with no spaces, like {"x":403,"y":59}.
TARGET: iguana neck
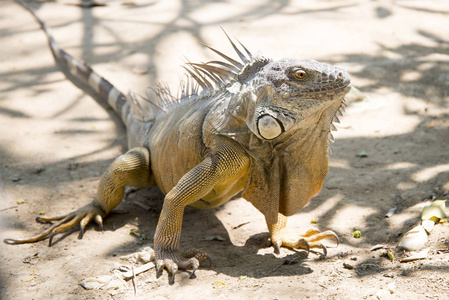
{"x":310,"y":135}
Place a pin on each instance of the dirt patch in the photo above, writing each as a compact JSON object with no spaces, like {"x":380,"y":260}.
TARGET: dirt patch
{"x":56,"y":141}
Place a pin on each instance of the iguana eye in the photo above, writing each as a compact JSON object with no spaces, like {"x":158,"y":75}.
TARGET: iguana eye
{"x":300,"y":74}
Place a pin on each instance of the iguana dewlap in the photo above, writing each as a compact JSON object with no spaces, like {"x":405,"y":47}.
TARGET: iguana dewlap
{"x":260,"y":126}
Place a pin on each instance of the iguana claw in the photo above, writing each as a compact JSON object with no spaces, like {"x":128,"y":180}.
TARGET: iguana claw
{"x":176,"y":260}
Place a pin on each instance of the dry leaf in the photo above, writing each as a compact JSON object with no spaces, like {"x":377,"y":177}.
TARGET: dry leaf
{"x":414,"y":239}
{"x":416,"y":255}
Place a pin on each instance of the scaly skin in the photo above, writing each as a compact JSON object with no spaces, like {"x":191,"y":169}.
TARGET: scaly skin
{"x":260,"y":127}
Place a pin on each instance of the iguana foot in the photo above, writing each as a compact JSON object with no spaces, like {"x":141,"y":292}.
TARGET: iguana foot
{"x":82,"y":216}
{"x":311,"y":239}
{"x":172,"y":260}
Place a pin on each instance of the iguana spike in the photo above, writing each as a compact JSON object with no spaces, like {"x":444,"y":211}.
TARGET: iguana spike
{"x":181,"y":88}
{"x":216,"y":79}
{"x":232,"y":61}
{"x":330,"y":138}
{"x":193,"y":87}
{"x":336,"y":119}
{"x":134,"y":102}
{"x":197,"y":79}
{"x":201,"y":76}
{"x":168,"y":94}
{"x":239,"y":53}
{"x":153,"y":103}
{"x":246,"y":50}
{"x":224,"y":74}
{"x":189,"y":86}
{"x":223,"y":64}
{"x":164,"y":96}
{"x":186,"y":87}
{"x":145,"y":114}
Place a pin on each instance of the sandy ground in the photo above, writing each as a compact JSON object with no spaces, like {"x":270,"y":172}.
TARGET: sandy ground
{"x":56,"y":141}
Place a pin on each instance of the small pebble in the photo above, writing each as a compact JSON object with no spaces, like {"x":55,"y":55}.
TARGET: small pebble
{"x":38,"y":170}
{"x":348,"y":266}
{"x":15,"y":179}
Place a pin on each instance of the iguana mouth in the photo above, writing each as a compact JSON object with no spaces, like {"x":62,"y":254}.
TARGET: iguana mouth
{"x":348,"y":88}
{"x":318,"y":93}
{"x":338,"y":92}
{"x":330,"y":90}
{"x":342,"y":91}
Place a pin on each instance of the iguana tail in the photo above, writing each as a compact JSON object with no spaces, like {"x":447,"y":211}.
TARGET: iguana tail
{"x":78,"y":68}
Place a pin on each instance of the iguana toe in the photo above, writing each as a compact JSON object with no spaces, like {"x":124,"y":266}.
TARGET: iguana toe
{"x":318,"y":236}
{"x":314,"y":239}
{"x":83,"y":216}
{"x":99,"y":220}
{"x":311,"y":239}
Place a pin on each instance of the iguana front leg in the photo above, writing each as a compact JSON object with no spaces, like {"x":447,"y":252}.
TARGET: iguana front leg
{"x":220,"y":166}
{"x":129,"y":169}
{"x":280,"y":236}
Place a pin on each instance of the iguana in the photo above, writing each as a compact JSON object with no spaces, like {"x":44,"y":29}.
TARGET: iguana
{"x":260,"y":126}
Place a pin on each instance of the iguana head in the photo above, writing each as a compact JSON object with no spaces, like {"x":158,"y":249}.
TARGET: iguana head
{"x":285,"y":92}
{"x":271,"y":96}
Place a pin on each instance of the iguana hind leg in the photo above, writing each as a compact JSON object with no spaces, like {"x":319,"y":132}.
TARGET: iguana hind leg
{"x":129,"y":169}
{"x":280,"y":236}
